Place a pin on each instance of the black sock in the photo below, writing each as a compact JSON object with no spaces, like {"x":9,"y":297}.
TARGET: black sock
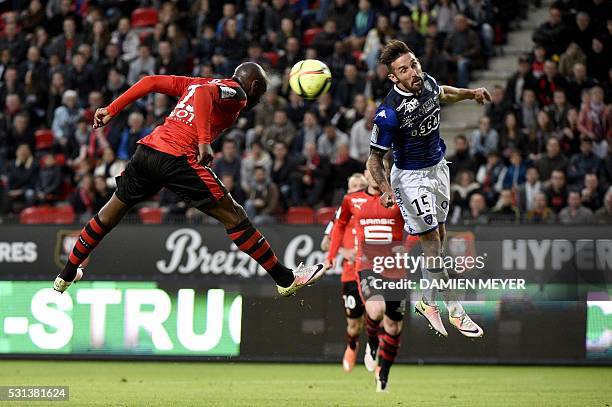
{"x":282,"y":275}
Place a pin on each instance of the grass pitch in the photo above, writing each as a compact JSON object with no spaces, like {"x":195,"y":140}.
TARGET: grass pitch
{"x":233,"y":384}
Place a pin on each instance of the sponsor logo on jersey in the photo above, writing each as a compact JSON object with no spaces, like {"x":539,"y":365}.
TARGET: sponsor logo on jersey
{"x":428,"y":219}
{"x":377,"y":221}
{"x":227,"y":92}
{"x":374,"y":136}
{"x":357,"y":202}
{"x":428,"y":86}
{"x":408,"y":105}
{"x":382,"y":113}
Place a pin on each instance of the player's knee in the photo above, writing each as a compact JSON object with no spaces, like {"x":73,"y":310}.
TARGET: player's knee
{"x":392,"y":327}
{"x":354,"y":325}
{"x":375,"y":309}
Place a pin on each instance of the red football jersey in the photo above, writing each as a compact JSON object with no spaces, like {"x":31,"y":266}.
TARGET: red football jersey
{"x":205,"y":108}
{"x":348,"y":243}
{"x":379,"y":231}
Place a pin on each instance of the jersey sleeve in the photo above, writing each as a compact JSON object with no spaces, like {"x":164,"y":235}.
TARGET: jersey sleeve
{"x":385,"y":124}
{"x":435,"y":88}
{"x":343,"y":216}
{"x":167,"y":84}
{"x":205,"y":97}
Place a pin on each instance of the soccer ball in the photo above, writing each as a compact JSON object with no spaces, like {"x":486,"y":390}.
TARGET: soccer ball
{"x":310,"y":78}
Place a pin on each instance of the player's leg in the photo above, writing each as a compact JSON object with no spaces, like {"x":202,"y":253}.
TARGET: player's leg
{"x":417,"y":204}
{"x":389,"y":341}
{"x":354,"y":311}
{"x":375,"y":311}
{"x":137,"y":183}
{"x":457,"y":315}
{"x":200,"y":187}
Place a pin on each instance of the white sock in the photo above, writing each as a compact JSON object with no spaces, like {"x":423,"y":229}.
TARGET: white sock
{"x":454,"y":307}
{"x":429,"y":295}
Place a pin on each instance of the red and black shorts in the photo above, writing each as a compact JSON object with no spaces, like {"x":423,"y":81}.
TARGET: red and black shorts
{"x":353,"y":306}
{"x":149,"y":170}
{"x":373,"y":287}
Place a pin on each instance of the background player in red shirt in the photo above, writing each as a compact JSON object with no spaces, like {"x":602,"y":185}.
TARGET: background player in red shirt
{"x":378,"y":230}
{"x":176,"y":156}
{"x":353,"y":306}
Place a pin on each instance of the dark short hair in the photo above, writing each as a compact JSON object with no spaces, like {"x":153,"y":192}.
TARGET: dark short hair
{"x":393,"y":50}
{"x":461,"y":137}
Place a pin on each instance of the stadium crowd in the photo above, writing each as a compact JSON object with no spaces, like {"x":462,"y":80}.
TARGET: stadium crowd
{"x":541,"y":153}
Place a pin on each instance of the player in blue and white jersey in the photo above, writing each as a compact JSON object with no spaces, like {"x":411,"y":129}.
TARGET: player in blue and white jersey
{"x":408,"y":123}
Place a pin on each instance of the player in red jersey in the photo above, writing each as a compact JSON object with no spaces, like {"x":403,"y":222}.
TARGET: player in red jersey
{"x":378,"y":231}
{"x":353,"y":306}
{"x":176,"y":156}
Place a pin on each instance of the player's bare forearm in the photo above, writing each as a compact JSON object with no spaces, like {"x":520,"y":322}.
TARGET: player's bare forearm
{"x":450,"y":94}
{"x":375,"y":165}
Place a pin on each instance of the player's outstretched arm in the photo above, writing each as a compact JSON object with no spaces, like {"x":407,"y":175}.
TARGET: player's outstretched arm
{"x":169,"y":85}
{"x":450,"y":94}
{"x":375,"y":165}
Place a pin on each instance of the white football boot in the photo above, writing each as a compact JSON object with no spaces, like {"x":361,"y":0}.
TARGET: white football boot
{"x":60,"y":285}
{"x":370,"y":358}
{"x":303,"y":276}
{"x":432,"y":314}
{"x":466,"y":326}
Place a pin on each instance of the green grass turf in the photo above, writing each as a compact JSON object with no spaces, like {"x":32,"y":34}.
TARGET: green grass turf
{"x":232,"y":384}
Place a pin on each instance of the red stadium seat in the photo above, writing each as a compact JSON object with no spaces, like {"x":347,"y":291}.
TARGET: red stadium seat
{"x":43,"y":139}
{"x":309,"y":35}
{"x":300,"y":215}
{"x":144,"y":17}
{"x":151,"y":216}
{"x":325,"y":214}
{"x":47,"y":214}
{"x":272,"y":57}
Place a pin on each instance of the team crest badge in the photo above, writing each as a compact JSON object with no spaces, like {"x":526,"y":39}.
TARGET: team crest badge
{"x":428,"y":86}
{"x":428,"y":219}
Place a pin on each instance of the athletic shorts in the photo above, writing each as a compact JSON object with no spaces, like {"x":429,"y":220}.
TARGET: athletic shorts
{"x":149,"y":170}
{"x":370,"y":290}
{"x":353,"y":305}
{"x":423,"y":196}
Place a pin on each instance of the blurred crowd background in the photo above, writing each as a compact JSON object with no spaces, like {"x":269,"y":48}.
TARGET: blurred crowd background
{"x":541,"y":153}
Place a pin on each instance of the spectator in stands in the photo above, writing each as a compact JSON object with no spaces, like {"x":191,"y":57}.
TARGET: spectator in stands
{"x":522,"y":79}
{"x":549,"y":82}
{"x":346,"y":117}
{"x":505,"y":211}
{"x":595,"y":118}
{"x":592,"y":194}
{"x":125,"y":142}
{"x":422,"y":15}
{"x":281,"y":130}
{"x":552,"y":34}
{"x":66,"y":44}
{"x":291,"y":56}
{"x":310,"y":177}
{"x":557,"y":111}
{"x":514,"y":173}
{"x":309,"y":133}
{"x":364,"y":22}
{"x":489,"y":176}
{"x":48,"y":181}
{"x":480,"y":14}
{"x":166,"y":63}
{"x":258,"y":157}
{"x":462,"y":159}
{"x":573,"y":55}
{"x":433,"y":61}
{"x":605,"y":170}
{"x":101,"y":193}
{"x":527,"y":111}
{"x":597,"y":61}
{"x":329,"y":141}
{"x":66,"y":116}
{"x":275,"y":13}
{"x":484,"y":140}
{"x":263,"y":197}
{"x":526,"y":193}
{"x":82,"y":199}
{"x":352,"y":84}
{"x":461,"y":190}
{"x":360,"y":135}
{"x":582,"y":32}
{"x":21,"y":178}
{"x":478,"y":211}
{"x":462,"y":49}
{"x":234,"y":188}
{"x":541,"y":212}
{"x":282,"y":167}
{"x":325,"y":40}
{"x":325,"y":108}
{"x":411,"y":36}
{"x":395,"y":9}
{"x":264,"y":111}
{"x":536,"y":139}
{"x":109,"y":168}
{"x":445,"y":11}
{"x":229,"y":160}
{"x":380,"y":85}
{"x":376,"y":38}
{"x":574,"y":212}
{"x":342,"y":12}
{"x":81,"y":77}
{"x":497,"y":109}
{"x":582,"y":163}
{"x":578,"y":82}
{"x":144,"y":63}
{"x":511,"y":136}
{"x":552,"y":160}
{"x":538,"y":60}
{"x":127,"y":40}
{"x":19,"y":133}
{"x":556,"y":192}
{"x":343,"y":166}
{"x":604,"y":214}
{"x":232,"y":46}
